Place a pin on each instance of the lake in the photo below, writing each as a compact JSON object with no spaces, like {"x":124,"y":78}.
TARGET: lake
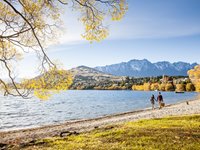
{"x":17,"y":113}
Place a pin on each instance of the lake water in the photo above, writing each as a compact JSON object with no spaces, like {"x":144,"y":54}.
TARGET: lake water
{"x":16,"y":113}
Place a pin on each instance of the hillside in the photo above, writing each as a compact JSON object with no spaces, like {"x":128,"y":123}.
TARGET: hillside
{"x":88,"y":78}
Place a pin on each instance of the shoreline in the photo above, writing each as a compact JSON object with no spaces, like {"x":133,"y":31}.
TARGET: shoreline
{"x":94,"y":117}
{"x":17,"y":137}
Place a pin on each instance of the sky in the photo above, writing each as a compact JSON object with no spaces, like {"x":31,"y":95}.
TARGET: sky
{"x":157,"y":30}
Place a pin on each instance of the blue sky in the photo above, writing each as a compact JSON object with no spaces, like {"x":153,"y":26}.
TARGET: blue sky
{"x":157,"y":30}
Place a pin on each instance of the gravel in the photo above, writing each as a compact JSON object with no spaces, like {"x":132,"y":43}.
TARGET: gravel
{"x":18,"y":137}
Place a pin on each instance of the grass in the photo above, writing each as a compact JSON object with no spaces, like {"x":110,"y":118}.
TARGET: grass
{"x":171,"y":133}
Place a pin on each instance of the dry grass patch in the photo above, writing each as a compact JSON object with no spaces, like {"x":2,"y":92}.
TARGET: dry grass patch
{"x":161,"y":134}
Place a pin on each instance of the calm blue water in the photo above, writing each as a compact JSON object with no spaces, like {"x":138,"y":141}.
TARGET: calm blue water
{"x":18,"y":113}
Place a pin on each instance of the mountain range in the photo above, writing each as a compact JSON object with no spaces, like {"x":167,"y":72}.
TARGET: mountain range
{"x":144,"y":68}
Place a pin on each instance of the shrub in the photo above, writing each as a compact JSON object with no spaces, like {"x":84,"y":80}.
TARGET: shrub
{"x":169,"y":87}
{"x":138,"y":87}
{"x":180,"y":87}
{"x":147,"y":86}
{"x":114,"y":87}
{"x":197,"y":86}
{"x":194,"y":75}
{"x":98,"y":88}
{"x":190,"y":87}
{"x":162,"y":87}
{"x":154,"y":86}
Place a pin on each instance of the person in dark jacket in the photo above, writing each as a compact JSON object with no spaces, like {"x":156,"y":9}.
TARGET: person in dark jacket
{"x":160,"y":100}
{"x":152,"y":100}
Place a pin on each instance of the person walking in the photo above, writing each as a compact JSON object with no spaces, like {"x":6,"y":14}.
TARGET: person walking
{"x":152,"y":100}
{"x":160,"y":100}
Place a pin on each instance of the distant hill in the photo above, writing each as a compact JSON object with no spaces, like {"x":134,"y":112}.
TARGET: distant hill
{"x":88,"y":78}
{"x":144,"y":68}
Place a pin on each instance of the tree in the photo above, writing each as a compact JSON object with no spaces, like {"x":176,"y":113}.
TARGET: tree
{"x":190,"y":87}
{"x":138,"y":87}
{"x":162,"y":87}
{"x":180,"y":87}
{"x":169,"y":87}
{"x":154,"y":86}
{"x":31,"y":25}
{"x":147,"y":86}
{"x":194,"y":75}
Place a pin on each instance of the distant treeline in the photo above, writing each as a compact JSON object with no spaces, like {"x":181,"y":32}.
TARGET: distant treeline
{"x":166,"y":83}
{"x":161,"y":83}
{"x":165,"y":87}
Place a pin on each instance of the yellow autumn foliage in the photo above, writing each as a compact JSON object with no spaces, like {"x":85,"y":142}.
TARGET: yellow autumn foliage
{"x":147,"y":86}
{"x":154,"y":86}
{"x":93,"y":21}
{"x":190,"y":87}
{"x":10,"y":52}
{"x":162,"y":87}
{"x":180,"y":87}
{"x":169,"y":87}
{"x":138,"y":87}
{"x":49,"y":83}
{"x":194,"y":75}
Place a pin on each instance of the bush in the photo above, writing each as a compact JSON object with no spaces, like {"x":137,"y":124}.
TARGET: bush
{"x":180,"y":87}
{"x":114,"y":87}
{"x":147,"y":86}
{"x":169,"y":87}
{"x":194,"y":75}
{"x":154,"y":86}
{"x":197,"y":86}
{"x":190,"y":87}
{"x":138,"y":87}
{"x":98,"y":88}
{"x":162,"y":87}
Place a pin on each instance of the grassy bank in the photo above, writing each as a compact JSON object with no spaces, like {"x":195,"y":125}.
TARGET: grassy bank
{"x":167,"y":133}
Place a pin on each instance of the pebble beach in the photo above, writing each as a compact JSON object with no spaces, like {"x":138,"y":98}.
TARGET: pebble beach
{"x":18,"y":137}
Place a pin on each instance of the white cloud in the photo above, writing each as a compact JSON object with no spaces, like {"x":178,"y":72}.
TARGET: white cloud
{"x":131,"y":28}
